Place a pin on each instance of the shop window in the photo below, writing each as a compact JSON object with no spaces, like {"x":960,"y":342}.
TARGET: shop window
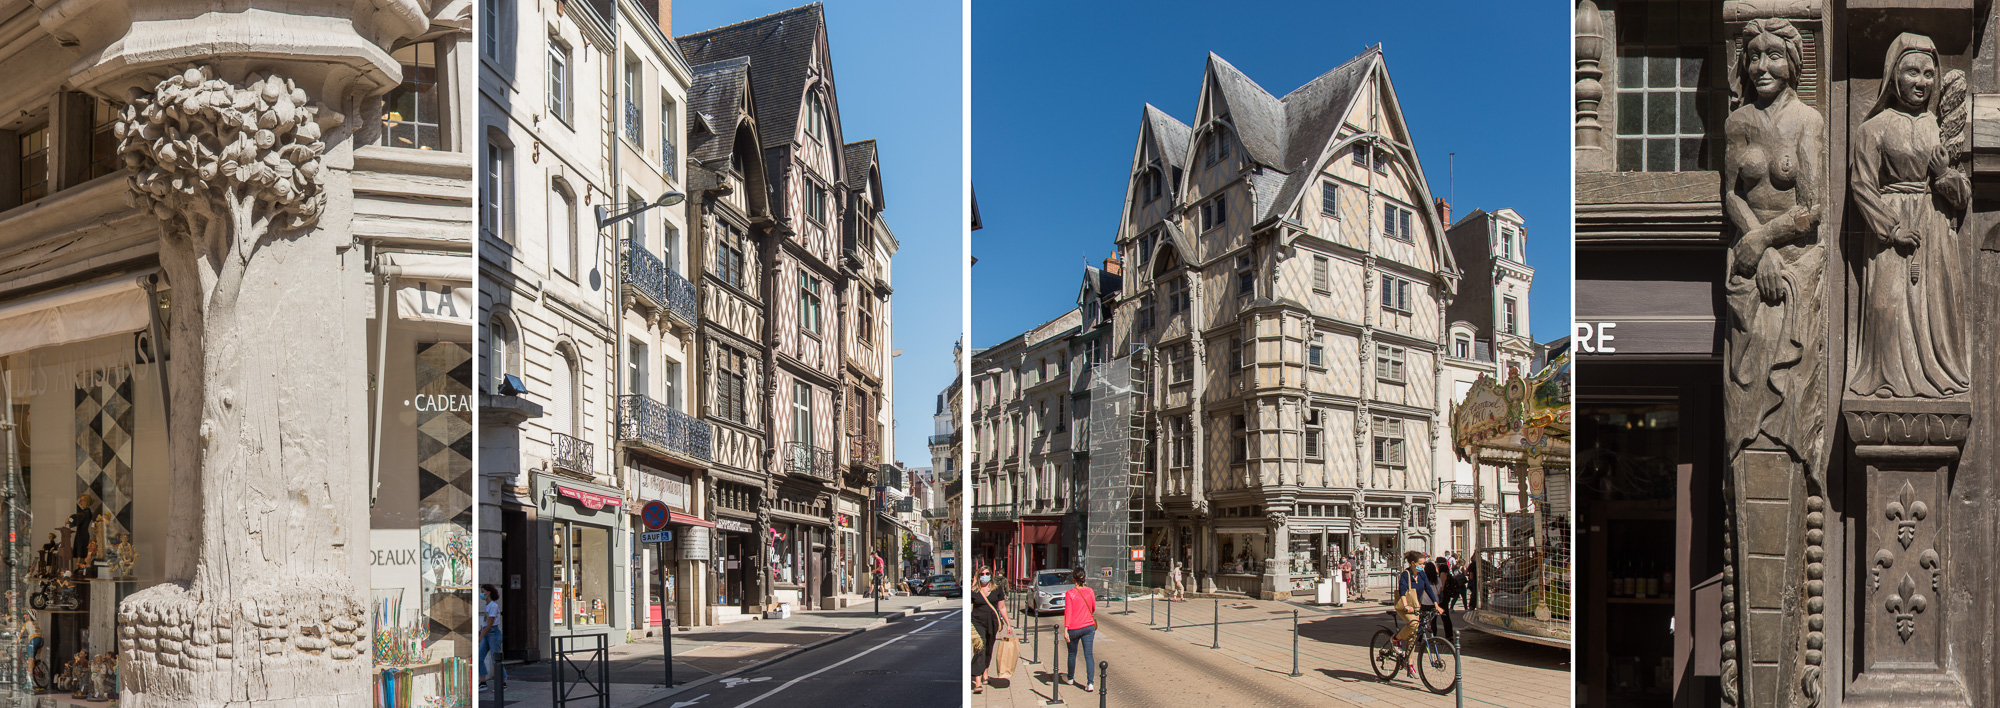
{"x":1666,"y":102}
{"x":413,"y":113}
{"x":581,"y":555}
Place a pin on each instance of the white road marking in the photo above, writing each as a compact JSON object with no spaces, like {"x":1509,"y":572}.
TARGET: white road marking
{"x":824,"y":669}
{"x":685,"y":704}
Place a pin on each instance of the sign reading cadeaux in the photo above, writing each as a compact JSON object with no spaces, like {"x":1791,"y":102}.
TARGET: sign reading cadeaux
{"x":589,"y":500}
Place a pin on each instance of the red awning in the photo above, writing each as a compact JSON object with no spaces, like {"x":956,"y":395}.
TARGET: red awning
{"x":675,"y":517}
{"x":591,"y":500}
{"x":1041,"y":533}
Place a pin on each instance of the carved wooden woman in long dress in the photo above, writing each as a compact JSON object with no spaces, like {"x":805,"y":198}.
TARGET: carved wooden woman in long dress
{"x":1772,"y":179}
{"x":1910,"y":335}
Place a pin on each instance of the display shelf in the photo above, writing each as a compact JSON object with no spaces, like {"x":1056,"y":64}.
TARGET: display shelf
{"x":1639,"y":600}
{"x":443,"y":661}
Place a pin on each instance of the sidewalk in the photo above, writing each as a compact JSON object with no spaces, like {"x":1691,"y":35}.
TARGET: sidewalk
{"x":1150,"y":666}
{"x":706,"y":654}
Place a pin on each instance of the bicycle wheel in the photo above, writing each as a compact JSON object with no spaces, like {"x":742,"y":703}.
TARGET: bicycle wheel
{"x":1439,"y":665}
{"x":40,"y":674}
{"x":1382,"y":655}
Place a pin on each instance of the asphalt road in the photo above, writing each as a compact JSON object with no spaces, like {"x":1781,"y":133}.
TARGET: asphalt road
{"x":917,"y":661}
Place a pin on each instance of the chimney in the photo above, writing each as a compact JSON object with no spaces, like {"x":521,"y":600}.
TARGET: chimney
{"x":1443,"y":208}
{"x":1114,"y":266}
{"x":663,"y":13}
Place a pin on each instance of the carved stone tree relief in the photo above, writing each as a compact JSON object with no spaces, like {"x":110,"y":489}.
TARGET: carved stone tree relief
{"x":1774,"y":179}
{"x":259,"y":607}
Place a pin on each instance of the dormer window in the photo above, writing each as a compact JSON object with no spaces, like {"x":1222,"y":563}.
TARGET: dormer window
{"x":1215,"y":146}
{"x":1149,"y":185}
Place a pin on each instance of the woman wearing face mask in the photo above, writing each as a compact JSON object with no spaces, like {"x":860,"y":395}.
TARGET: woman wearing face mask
{"x":989,"y":617}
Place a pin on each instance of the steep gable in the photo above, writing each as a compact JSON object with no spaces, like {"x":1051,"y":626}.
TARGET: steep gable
{"x":719,"y":99}
{"x":782,"y":47}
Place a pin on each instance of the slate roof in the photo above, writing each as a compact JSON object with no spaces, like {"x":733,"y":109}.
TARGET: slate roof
{"x":1170,"y":134}
{"x":1288,"y":134}
{"x":860,"y":156}
{"x":714,"y":96}
{"x":781,"y":46}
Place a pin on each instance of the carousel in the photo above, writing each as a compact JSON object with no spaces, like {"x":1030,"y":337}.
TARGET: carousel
{"x":1522,"y":425}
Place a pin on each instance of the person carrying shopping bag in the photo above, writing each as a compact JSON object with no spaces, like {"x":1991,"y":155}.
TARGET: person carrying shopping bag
{"x":1080,"y":620}
{"x":989,"y":617}
{"x":1006,"y":646}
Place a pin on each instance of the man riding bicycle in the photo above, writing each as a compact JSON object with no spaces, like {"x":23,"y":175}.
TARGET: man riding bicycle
{"x":1414,"y":595}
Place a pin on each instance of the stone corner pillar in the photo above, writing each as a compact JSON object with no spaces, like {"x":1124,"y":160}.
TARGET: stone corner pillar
{"x":1908,"y":450}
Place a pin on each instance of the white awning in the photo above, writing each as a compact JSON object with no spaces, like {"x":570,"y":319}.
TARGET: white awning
{"x":80,"y":312}
{"x":434,"y":287}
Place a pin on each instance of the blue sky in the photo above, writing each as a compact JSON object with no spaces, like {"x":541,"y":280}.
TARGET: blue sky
{"x":1057,"y":90}
{"x":897,"y":66}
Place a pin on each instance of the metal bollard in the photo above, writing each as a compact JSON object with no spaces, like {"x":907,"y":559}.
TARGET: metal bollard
{"x":1216,"y":643}
{"x":1152,"y":609}
{"x":1103,"y":681}
{"x":1055,"y":678}
{"x":1457,"y":668}
{"x":500,"y":683}
{"x":1170,"y":615}
{"x":667,"y":643}
{"x":1295,"y":642}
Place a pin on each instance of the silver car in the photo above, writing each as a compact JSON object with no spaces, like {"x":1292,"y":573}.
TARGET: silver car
{"x":1047,"y":593}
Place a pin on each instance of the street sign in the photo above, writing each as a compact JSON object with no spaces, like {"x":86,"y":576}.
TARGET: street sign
{"x":1138,"y":554}
{"x":656,"y":536}
{"x":654,"y":514}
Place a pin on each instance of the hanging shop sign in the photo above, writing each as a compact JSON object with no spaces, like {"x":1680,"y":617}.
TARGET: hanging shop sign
{"x":589,"y":500}
{"x":845,"y":521}
{"x":732,"y":525}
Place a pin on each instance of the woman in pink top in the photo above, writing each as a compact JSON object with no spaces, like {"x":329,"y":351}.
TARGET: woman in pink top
{"x":1080,"y":618}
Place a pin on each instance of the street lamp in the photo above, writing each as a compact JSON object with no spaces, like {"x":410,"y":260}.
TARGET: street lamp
{"x":605,"y":217}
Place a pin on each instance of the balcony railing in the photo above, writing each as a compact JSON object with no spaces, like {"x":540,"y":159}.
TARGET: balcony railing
{"x":669,"y":154}
{"x":644,"y":420}
{"x":1464,"y":492}
{"x":571,"y":454}
{"x":647,"y":278}
{"x":996,"y":512}
{"x":863,"y":451}
{"x":805,"y":460}
{"x":941,"y":439}
{"x":938,"y":512}
{"x":633,"y":130}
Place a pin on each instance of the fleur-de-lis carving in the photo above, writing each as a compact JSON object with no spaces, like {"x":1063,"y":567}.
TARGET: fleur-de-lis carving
{"x":1883,"y":561}
{"x":1930,"y":561}
{"x":1904,"y":605}
{"x":1906,"y":511}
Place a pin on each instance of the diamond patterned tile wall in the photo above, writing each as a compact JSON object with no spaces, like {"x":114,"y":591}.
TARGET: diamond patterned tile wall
{"x":444,"y":479}
{"x":104,"y":443}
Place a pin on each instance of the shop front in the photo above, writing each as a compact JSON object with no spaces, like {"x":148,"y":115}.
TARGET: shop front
{"x":665,"y":574}
{"x":797,"y":549}
{"x":850,"y":569}
{"x":738,"y":583}
{"x":586,"y":558}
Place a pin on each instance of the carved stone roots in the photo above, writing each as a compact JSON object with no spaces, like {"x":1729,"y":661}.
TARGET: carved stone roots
{"x":274,"y":644}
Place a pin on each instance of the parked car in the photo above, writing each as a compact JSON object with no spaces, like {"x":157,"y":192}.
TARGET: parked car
{"x":943,"y":586}
{"x":1049,"y":586}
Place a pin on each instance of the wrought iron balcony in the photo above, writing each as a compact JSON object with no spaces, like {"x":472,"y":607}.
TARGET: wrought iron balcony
{"x":669,"y":155}
{"x":996,"y":512}
{"x":571,"y":454}
{"x":863,"y":451}
{"x":805,"y":460}
{"x":938,"y":512}
{"x":659,"y":287}
{"x":1463,"y":492}
{"x":941,"y":439}
{"x":646,"y":421}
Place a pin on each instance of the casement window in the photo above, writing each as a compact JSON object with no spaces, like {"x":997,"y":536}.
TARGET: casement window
{"x":635,"y":227}
{"x":103,"y":156}
{"x":1329,"y":199}
{"x":1214,"y":212}
{"x":1246,"y":277}
{"x":492,"y":27}
{"x":864,"y":321}
{"x":731,"y":398}
{"x":1177,"y":295}
{"x":1361,"y":154}
{"x":1182,"y":445}
{"x":1507,"y":242}
{"x":1145,"y":323}
{"x":559,"y":83}
{"x":1313,"y":449}
{"x":1145,"y":247}
{"x":1316,"y":356}
{"x":636,"y":369}
{"x":1240,"y":445}
{"x":815,"y":201}
{"x":809,"y":303}
{"x":500,"y":359}
{"x":498,"y":185}
{"x":1388,"y":438}
{"x":729,"y":256}
{"x":1322,"y":274}
{"x":635,"y":128}
{"x":1180,"y":364}
{"x":1395,"y":294}
{"x":1235,"y":355}
{"x":1149,"y":185}
{"x":1389,"y":362}
{"x":1396,"y":222}
{"x":34,"y":164}
{"x":1461,"y":347}
{"x":1215,"y":146}
{"x":816,"y":120}
{"x":562,"y":229}
{"x":1382,"y":163}
{"x":802,"y":419}
{"x":670,"y":384}
{"x":669,"y":151}
{"x":1667,"y":107}
{"x":1509,"y":322}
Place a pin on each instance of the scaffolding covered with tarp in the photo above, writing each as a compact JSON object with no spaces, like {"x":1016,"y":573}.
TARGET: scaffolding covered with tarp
{"x":1113,"y":515}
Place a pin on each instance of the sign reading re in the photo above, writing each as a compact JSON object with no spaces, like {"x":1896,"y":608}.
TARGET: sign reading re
{"x":1595,"y":337}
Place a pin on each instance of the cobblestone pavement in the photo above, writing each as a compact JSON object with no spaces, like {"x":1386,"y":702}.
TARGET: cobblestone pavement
{"x":701,"y":654}
{"x":1149,"y":666}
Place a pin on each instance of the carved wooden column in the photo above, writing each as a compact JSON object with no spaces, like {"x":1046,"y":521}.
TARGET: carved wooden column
{"x":1593,"y":151}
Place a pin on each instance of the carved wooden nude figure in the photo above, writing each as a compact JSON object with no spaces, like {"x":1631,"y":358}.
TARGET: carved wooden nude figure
{"x":1909,"y":339}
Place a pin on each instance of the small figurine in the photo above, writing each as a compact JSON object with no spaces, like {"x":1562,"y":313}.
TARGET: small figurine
{"x":79,"y":525}
{"x":80,"y":673}
{"x":100,"y":676}
{"x":125,"y":556}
